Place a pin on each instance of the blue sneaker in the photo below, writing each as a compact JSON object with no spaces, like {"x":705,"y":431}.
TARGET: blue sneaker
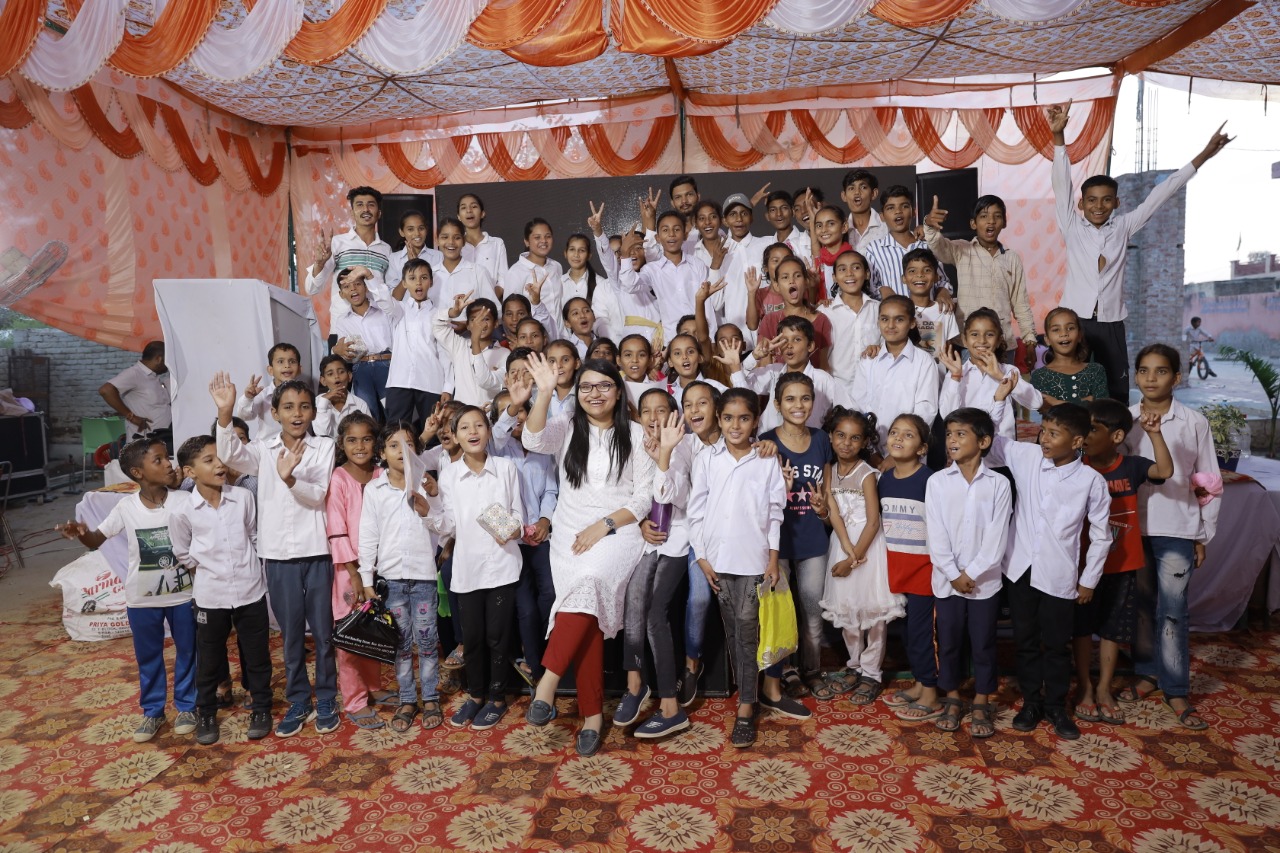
{"x":327,"y":719}
{"x":660,"y":726}
{"x":490,"y":715}
{"x":628,"y":710}
{"x":298,"y":714}
{"x":464,"y":715}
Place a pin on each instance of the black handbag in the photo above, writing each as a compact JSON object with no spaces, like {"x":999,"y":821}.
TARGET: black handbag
{"x":369,"y":631}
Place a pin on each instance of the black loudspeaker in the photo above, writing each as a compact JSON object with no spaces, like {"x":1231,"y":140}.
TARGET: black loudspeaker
{"x":395,"y":206}
{"x":957,"y":193}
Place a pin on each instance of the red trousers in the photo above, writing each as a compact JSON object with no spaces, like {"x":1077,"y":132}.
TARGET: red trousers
{"x":576,"y":641}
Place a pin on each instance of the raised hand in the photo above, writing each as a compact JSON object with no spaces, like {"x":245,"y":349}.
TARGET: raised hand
{"x":752,"y":279}
{"x":988,"y":364}
{"x":950,"y":359}
{"x":936,"y":216}
{"x":1150,"y":423}
{"x":630,"y":240}
{"x":429,"y":485}
{"x":761,"y":194}
{"x":324,"y":247}
{"x":671,"y":433}
{"x":649,"y":208}
{"x":254,"y":388}
{"x":72,"y":529}
{"x":1215,"y":144}
{"x":520,"y":387}
{"x":730,"y":357}
{"x":765,"y":346}
{"x":1006,"y":386}
{"x":818,"y":499}
{"x":338,"y":397}
{"x":287,"y":461}
{"x":596,"y":220}
{"x":533,"y":288}
{"x":706,"y":290}
{"x":459,"y":303}
{"x":223,"y":392}
{"x":543,"y":375}
{"x":789,"y":474}
{"x":1057,"y":114}
{"x":432,"y":424}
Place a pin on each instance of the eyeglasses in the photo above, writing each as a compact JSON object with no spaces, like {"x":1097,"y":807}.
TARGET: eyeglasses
{"x":588,"y":387}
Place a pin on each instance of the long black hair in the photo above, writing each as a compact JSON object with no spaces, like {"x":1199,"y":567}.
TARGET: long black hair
{"x":591,"y":271}
{"x":575,"y":458}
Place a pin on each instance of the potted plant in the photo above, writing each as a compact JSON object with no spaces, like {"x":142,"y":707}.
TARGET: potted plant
{"x":1225,"y":425}
{"x":1268,"y":377}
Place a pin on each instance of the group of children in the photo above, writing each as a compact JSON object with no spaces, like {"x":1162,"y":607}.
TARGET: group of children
{"x":824,"y":414}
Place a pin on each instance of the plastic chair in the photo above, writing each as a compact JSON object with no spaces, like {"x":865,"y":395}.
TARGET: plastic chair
{"x":10,"y":543}
{"x":95,"y":432}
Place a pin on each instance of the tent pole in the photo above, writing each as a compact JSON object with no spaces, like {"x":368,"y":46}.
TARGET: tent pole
{"x":293,"y":248}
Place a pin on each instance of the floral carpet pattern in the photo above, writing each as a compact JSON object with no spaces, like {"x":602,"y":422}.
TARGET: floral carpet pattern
{"x":71,"y":777}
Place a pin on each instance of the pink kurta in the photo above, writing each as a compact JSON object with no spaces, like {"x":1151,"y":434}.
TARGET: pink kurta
{"x":357,"y":676}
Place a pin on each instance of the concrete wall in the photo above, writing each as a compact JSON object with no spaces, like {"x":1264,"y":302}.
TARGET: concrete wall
{"x":1153,"y":282}
{"x":77,"y":369}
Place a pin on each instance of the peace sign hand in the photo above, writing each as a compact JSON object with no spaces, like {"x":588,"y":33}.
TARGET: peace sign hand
{"x":596,"y":220}
{"x":534,"y":287}
{"x":459,"y":302}
{"x":324,"y":246}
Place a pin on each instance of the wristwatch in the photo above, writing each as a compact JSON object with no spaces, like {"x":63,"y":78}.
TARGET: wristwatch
{"x":611,"y":524}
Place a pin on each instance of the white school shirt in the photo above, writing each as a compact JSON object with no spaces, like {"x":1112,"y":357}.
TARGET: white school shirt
{"x":218,"y":543}
{"x":762,"y":378}
{"x":876,"y":229}
{"x":155,"y":577}
{"x":968,"y":526}
{"x":735,"y":510}
{"x":479,"y":562}
{"x":885,"y":256}
{"x":328,"y":417}
{"x":373,"y":327}
{"x":799,"y":242}
{"x":730,"y":304}
{"x":395,"y":266}
{"x":490,"y":255}
{"x":516,"y":279}
{"x":417,"y":362}
{"x":851,"y":333}
{"x":465,"y":278}
{"x":291,"y":519}
{"x":145,"y":394}
{"x":676,"y":386}
{"x":889,"y":385}
{"x":1171,"y":508}
{"x":394,"y":539}
{"x":624,"y":312}
{"x":1054,"y":502}
{"x":477,"y":378}
{"x":258,"y":411}
{"x":672,"y":487}
{"x":345,"y":251}
{"x":673,"y":286}
{"x":652,"y":251}
{"x":1087,"y":288}
{"x":978,"y":390}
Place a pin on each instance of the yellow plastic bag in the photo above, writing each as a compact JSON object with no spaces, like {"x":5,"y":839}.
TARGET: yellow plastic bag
{"x":779,"y":634}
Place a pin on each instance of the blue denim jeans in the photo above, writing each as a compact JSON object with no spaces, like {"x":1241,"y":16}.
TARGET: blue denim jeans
{"x":413,"y":604}
{"x":534,"y":598}
{"x":369,"y":383}
{"x":695,"y":610}
{"x":808,"y":578}
{"x":1160,"y":593}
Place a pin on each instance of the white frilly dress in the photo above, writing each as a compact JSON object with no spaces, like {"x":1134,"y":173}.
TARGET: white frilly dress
{"x":861,"y":599}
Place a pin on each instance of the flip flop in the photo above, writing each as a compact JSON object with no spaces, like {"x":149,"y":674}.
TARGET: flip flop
{"x":898,"y":699}
{"x":369,"y":720}
{"x":1111,"y":714}
{"x":1087,"y":712}
{"x":384,"y":697}
{"x":1185,"y":715}
{"x":930,"y":713}
{"x":403,"y":719}
{"x":1133,"y":693}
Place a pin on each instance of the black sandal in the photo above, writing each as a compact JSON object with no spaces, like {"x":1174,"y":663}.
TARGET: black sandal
{"x":403,"y":719}
{"x":792,"y":685}
{"x":1187,"y":717}
{"x":985,"y":727}
{"x":432,"y":716}
{"x":866,"y":692}
{"x":820,"y":688}
{"x":1133,"y":693}
{"x":952,"y":714}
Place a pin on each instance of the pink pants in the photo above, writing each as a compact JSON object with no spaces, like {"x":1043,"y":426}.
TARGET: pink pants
{"x":358,"y":676}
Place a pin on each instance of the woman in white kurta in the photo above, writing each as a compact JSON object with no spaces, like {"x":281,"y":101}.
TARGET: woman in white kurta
{"x":606,"y":481}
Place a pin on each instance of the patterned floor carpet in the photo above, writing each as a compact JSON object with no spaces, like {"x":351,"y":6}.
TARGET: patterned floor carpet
{"x":72,"y":779}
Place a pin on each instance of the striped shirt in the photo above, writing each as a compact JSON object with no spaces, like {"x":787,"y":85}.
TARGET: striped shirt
{"x":885,"y":256}
{"x":349,"y":250}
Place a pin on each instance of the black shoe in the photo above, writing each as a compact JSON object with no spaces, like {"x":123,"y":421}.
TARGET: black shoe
{"x":1029,"y":717}
{"x":1063,"y":726}
{"x":259,"y":725}
{"x":207,"y":728}
{"x":589,"y":742}
{"x":744,"y":732}
{"x":786,"y":706}
{"x":540,"y":713}
{"x":687,"y":689}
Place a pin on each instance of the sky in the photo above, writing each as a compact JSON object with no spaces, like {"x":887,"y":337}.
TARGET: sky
{"x":1233,"y":200}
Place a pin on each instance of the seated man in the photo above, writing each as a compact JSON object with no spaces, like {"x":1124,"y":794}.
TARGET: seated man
{"x":141,"y":396}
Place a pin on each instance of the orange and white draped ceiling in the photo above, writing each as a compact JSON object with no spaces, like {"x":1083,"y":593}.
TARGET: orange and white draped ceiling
{"x":173,"y":138}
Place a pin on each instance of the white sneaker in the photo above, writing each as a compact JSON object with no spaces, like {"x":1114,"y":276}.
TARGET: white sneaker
{"x":185,"y":724}
{"x":148,"y":729}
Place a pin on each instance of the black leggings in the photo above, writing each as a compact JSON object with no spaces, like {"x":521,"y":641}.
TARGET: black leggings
{"x":486,"y":638}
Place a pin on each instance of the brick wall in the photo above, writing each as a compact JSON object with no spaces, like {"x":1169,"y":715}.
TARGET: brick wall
{"x":1154,"y":271}
{"x":77,"y":369}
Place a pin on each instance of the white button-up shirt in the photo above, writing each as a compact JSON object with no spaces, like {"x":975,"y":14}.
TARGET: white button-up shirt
{"x":490,"y":255}
{"x":479,"y":562}
{"x":146,"y":395}
{"x":395,"y":266}
{"x":623,"y":312}
{"x":800,"y":243}
{"x":730,"y":304}
{"x":1171,"y":508}
{"x":1087,"y":288}
{"x":328,"y":417}
{"x":477,"y":378}
{"x":465,"y":278}
{"x":889,"y":385}
{"x":292,"y":519}
{"x":418,"y":362}
{"x":876,"y":229}
{"x":373,"y":327}
{"x":978,"y":390}
{"x":851,"y":333}
{"x":735,"y":510}
{"x":349,"y":250}
{"x":394,"y":540}
{"x":762,"y":378}
{"x":672,"y":486}
{"x":673,"y":286}
{"x":516,"y":280}
{"x":968,"y":526}
{"x":218,"y":543}
{"x":1054,"y":502}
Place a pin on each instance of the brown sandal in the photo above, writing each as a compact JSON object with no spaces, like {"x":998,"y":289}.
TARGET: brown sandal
{"x":432,"y":716}
{"x":403,"y":719}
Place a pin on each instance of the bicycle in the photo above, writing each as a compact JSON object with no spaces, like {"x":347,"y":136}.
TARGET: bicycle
{"x":1199,"y":361}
